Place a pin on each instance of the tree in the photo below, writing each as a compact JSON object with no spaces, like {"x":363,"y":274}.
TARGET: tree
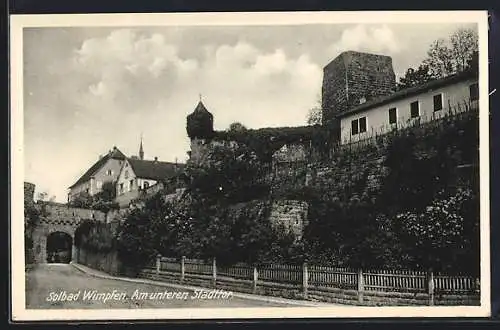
{"x":464,"y":44}
{"x":83,"y":200}
{"x":137,"y":237}
{"x":439,"y":59}
{"x":473,"y":62}
{"x":237,"y":127}
{"x":446,"y":57}
{"x":226,"y":171}
{"x":414,"y":77}
{"x":314,"y":116}
{"x":108,"y":192}
{"x":444,"y":235}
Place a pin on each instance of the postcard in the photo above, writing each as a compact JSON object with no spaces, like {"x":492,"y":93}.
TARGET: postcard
{"x":249,"y":165}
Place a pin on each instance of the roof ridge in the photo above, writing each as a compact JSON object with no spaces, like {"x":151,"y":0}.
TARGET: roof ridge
{"x":111,"y":154}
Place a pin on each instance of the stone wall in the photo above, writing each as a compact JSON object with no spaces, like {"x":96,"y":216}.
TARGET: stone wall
{"x":58,"y":211}
{"x":290,"y":214}
{"x":106,"y":262}
{"x":56,"y":217}
{"x":29,"y":192}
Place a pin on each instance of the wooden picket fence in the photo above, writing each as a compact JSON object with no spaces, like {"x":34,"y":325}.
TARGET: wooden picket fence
{"x":317,"y":277}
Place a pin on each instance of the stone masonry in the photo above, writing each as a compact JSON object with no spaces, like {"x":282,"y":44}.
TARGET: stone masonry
{"x":55,"y":217}
{"x":351,"y":78}
{"x":291,"y":214}
{"x":58,"y":217}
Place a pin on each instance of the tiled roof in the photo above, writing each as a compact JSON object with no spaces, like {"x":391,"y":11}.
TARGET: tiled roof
{"x":113,"y":154}
{"x":155,"y":170}
{"x":433,"y":84}
{"x":200,"y":108}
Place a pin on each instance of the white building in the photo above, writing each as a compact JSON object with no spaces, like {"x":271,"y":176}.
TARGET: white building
{"x":425,"y":102}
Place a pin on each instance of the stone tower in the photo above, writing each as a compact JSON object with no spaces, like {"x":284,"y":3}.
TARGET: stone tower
{"x":200,"y":123}
{"x":353,"y":78}
{"x":200,"y":128}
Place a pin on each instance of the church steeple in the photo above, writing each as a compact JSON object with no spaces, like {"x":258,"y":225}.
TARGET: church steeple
{"x":141,"y":151}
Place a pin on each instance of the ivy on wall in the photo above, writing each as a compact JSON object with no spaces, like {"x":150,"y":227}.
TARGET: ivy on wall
{"x":95,"y":236}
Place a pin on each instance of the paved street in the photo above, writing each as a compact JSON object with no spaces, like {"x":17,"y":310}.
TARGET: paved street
{"x":59,"y":286}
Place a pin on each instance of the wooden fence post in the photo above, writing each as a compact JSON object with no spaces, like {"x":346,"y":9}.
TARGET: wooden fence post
{"x":214,"y":272}
{"x":305,"y":277}
{"x":430,"y":287}
{"x":183,"y":268}
{"x":361,"y":285}
{"x":158,"y":264}
{"x":255,"y":278}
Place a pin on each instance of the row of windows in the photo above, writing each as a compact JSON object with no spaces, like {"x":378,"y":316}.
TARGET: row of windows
{"x":358,"y":126}
{"x":131,"y":185}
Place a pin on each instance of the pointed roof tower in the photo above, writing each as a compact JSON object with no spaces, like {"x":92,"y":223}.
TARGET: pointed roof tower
{"x":200,"y":123}
{"x":141,"y":150}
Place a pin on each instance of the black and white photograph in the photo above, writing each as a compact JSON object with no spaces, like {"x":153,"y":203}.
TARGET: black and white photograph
{"x":249,"y":165}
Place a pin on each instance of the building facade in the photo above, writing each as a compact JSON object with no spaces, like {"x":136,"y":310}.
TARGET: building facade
{"x":422,"y":103}
{"x":106,"y":169}
{"x":138,"y":176}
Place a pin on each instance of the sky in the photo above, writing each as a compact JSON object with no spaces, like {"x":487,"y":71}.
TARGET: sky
{"x":87,"y":89}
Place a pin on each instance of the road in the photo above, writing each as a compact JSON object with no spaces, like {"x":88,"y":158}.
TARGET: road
{"x":62,"y":286}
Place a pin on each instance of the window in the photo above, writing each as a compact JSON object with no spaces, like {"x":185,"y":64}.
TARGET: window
{"x":121,"y":188}
{"x":362,"y":124}
{"x":393,"y":117}
{"x":131,"y":184}
{"x":109,"y":172}
{"x":146,"y":185}
{"x":438,"y":102}
{"x":358,"y":126}
{"x":414,"y":109}
{"x":126,"y":174}
{"x":98,"y":184}
{"x":474,"y":92}
{"x":354,"y":127}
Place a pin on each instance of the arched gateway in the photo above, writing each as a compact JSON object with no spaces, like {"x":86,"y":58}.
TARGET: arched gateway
{"x":54,"y":233}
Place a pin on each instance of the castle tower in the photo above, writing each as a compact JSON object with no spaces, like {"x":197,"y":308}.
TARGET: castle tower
{"x":200,"y":123}
{"x":141,"y":151}
{"x":200,"y":127}
{"x":353,"y":78}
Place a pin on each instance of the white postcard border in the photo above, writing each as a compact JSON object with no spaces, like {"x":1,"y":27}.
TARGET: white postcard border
{"x":18,"y":22}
